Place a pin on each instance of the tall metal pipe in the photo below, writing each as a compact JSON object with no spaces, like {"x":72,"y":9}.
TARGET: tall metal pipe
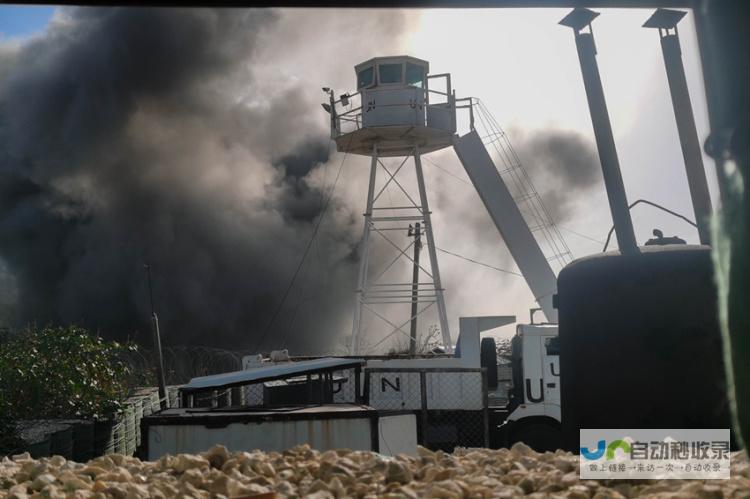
{"x":665,"y":20}
{"x":605,"y":142}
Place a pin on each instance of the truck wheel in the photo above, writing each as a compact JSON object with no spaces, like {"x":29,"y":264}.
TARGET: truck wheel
{"x":539,"y":436}
{"x":488,"y":360}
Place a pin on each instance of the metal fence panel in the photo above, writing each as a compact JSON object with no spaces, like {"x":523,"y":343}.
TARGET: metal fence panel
{"x":345,"y":387}
{"x":451,"y":390}
{"x":450,"y":404}
{"x":392,"y":391}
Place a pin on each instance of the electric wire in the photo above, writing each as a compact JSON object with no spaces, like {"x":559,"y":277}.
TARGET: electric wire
{"x":305,"y":276}
{"x":479,"y":263}
{"x":304,"y":255}
{"x":451,"y":174}
{"x":655,"y":205}
{"x":447,"y":172}
{"x":579,"y":234}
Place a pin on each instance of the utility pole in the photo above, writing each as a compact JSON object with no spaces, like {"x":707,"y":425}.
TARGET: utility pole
{"x":157,"y":344}
{"x":415,"y":232}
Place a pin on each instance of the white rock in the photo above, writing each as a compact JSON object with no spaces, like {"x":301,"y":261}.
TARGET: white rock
{"x":42,"y":481}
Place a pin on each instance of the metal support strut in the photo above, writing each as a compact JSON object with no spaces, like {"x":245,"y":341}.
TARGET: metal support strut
{"x":362,"y":280}
{"x":665,"y":20}
{"x":432,"y":252}
{"x":379,"y":297}
{"x":578,"y":19}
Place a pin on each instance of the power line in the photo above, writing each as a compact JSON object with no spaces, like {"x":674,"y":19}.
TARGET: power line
{"x":303,"y":280}
{"x":478,"y":262}
{"x":655,"y":205}
{"x":304,"y":255}
{"x":447,"y":172}
{"x":581,"y":235}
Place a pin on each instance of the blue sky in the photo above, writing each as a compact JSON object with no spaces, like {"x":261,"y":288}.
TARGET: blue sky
{"x":24,"y":20}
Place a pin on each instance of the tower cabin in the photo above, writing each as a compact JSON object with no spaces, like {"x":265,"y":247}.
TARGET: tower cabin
{"x":398,"y":106}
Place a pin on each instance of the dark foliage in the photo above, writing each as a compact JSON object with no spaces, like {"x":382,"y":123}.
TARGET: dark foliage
{"x":60,"y":372}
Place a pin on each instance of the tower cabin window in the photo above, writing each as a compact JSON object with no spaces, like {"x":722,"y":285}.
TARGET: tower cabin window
{"x":365,"y":77}
{"x":390,"y":73}
{"x":414,"y":75}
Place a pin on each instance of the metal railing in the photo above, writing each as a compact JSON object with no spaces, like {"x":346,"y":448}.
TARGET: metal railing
{"x":347,"y":112}
{"x":337,"y":387}
{"x":517,"y":179}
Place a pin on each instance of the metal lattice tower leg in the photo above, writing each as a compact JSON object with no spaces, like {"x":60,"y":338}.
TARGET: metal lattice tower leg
{"x":362,"y":280}
{"x":371,"y":292}
{"x":432,"y":252}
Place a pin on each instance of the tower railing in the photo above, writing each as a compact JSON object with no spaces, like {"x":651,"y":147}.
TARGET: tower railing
{"x":516,"y":177}
{"x":347,"y":112}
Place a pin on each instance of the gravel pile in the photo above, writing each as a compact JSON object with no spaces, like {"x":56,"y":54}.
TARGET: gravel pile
{"x":303,"y":472}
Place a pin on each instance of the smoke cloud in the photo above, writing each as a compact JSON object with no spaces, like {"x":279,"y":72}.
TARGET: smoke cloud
{"x":563,"y":165}
{"x":190,"y":140}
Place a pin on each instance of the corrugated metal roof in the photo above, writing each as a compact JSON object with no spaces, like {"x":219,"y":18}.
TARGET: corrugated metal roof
{"x":277,"y":371}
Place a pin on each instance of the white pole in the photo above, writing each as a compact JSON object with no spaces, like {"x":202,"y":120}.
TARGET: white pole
{"x":433,"y":253}
{"x":362,"y":281}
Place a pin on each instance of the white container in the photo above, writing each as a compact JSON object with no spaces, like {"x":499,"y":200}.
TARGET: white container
{"x":336,"y":426}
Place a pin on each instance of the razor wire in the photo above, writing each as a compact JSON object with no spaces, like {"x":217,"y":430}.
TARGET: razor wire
{"x":182,"y":363}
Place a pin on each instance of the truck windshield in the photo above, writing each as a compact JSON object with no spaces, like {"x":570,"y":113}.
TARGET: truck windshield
{"x":552,"y":345}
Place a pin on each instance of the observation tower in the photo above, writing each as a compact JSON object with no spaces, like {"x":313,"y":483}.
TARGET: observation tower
{"x":399,"y":112}
{"x":396,"y":112}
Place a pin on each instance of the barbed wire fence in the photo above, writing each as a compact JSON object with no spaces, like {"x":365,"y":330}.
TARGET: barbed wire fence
{"x":181,"y":363}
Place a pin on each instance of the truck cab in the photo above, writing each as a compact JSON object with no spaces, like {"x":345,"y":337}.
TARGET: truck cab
{"x":533,"y":411}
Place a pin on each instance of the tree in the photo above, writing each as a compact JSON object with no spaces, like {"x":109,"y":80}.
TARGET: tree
{"x":503,"y":346}
{"x":427,"y":343}
{"x":61,"y":372}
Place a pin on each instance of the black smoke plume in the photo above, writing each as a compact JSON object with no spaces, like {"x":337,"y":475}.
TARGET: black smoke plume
{"x":562,"y":164}
{"x":150,"y":135}
{"x":563,"y":167}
